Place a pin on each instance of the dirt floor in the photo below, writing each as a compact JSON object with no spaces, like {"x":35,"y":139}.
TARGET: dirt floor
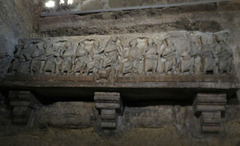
{"x":137,"y":136}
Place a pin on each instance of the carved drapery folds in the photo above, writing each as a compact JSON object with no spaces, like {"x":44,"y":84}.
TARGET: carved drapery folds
{"x":105,"y":57}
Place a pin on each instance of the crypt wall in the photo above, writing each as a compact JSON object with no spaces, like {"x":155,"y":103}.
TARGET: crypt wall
{"x":143,"y":124}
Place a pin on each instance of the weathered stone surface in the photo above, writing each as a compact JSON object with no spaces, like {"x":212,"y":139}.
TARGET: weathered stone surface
{"x":215,"y":98}
{"x":211,"y":117}
{"x":207,"y":108}
{"x":15,"y":22}
{"x":208,"y":18}
{"x":83,"y":5}
{"x":4,"y":117}
{"x":190,"y":124}
{"x":153,"y":116}
{"x":232,"y":121}
{"x":107,"y":96}
{"x":108,"y":125}
{"x":108,"y":105}
{"x":66,"y":114}
{"x":211,"y":19}
{"x":108,"y":57}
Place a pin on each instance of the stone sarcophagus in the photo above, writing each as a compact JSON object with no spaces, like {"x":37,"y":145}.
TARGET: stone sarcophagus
{"x":178,"y":63}
{"x":117,"y":58}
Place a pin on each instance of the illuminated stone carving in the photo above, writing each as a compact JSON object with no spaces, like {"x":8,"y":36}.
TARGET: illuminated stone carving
{"x":107,"y":57}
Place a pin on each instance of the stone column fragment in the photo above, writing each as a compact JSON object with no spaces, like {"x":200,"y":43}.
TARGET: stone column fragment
{"x":20,"y":101}
{"x":210,"y":107}
{"x":109,"y":106}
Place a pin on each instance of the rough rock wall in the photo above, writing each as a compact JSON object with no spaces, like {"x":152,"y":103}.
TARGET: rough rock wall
{"x":16,"y":21}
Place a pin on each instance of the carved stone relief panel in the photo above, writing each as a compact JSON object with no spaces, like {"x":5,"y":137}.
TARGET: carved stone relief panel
{"x":107,"y":57}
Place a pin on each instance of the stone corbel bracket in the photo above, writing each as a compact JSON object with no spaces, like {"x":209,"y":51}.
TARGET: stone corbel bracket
{"x":20,"y":102}
{"x":109,"y":105}
{"x":210,"y":109}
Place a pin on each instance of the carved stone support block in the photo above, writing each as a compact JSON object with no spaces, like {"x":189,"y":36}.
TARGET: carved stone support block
{"x":109,"y":106}
{"x":211,"y":117}
{"x":20,"y":114}
{"x":108,"y":125}
{"x":211,"y":128}
{"x":20,"y":101}
{"x":108,"y":114}
{"x":209,"y":107}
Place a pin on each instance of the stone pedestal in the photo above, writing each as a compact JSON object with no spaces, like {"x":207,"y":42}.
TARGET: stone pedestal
{"x":210,"y":107}
{"x":20,"y":101}
{"x":109,"y":105}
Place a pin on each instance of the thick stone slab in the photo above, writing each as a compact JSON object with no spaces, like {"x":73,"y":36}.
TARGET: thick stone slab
{"x":20,"y":103}
{"x":107,"y":105}
{"x":108,"y":117}
{"x":108,"y":125}
{"x":209,"y":108}
{"x":108,"y":112}
{"x":107,"y":97}
{"x":178,"y":56}
{"x":211,"y":99}
{"x":211,"y":118}
{"x":211,"y":128}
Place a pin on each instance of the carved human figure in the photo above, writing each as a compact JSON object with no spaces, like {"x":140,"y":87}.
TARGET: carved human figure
{"x":222,"y":55}
{"x":126,"y":63}
{"x":206,"y":53}
{"x":111,"y":53}
{"x":167,"y":59}
{"x":14,"y":69}
{"x":37,"y":54}
{"x":52,"y":55}
{"x":186,"y":61}
{"x":196,"y":44}
{"x":67,"y":52}
{"x":110,"y":58}
{"x":94,"y":59}
{"x":150,"y":57}
{"x":80,"y":60}
{"x":134,"y":63}
{"x":209,"y":63}
{"x":21,"y":62}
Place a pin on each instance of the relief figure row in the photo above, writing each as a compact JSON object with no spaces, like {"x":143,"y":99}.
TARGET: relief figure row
{"x":139,"y":56}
